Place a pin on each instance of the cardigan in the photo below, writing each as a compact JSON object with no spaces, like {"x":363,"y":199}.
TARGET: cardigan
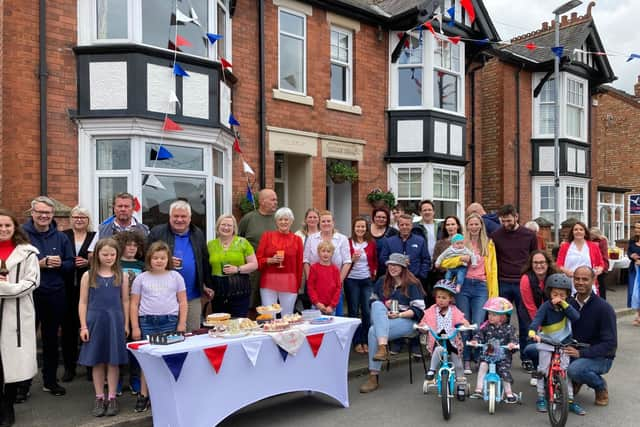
{"x":372,"y":255}
{"x":430,"y":319}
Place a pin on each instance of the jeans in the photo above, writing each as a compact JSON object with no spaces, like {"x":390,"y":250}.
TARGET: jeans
{"x":156,"y":324}
{"x":470,"y":300}
{"x":511,"y":291}
{"x":339,"y":310}
{"x":382,"y":326}
{"x":358,"y":293}
{"x":50,"y":309}
{"x":590,"y":371}
{"x":458,"y":273}
{"x":530,"y":352}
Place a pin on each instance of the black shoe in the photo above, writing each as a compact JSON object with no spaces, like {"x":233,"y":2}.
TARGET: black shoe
{"x":142,"y":403}
{"x":55,"y":389}
{"x":431,"y":375}
{"x":22,"y":394}
{"x":69,"y":375}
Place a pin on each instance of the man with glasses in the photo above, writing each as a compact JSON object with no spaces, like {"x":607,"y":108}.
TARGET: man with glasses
{"x":123,"y":220}
{"x":56,"y":261}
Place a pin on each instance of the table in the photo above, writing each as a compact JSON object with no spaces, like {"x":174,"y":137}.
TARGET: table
{"x":201,"y":397}
{"x":621,"y":263}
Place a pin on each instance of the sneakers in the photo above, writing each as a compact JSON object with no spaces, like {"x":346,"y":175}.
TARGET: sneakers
{"x":142,"y":403}
{"x":430,"y":376}
{"x":576,"y":408}
{"x":22,"y":394}
{"x":467,"y":368}
{"x":98,"y":407}
{"x":511,"y":399}
{"x":382,"y":354}
{"x":533,"y":382}
{"x":476,"y":395}
{"x":602,"y":397}
{"x":541,"y":404}
{"x":55,"y":389}
{"x":112,"y":408}
{"x":370,"y":385}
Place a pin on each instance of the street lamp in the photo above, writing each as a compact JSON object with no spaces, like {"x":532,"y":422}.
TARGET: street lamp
{"x":556,"y":125}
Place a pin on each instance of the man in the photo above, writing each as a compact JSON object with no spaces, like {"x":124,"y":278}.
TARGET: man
{"x":409,"y":244}
{"x":190,"y":256}
{"x":252,"y":226}
{"x":513,"y":246}
{"x":491,"y":221}
{"x":427,"y":227}
{"x":123,"y":204}
{"x":596,"y":327}
{"x":56,"y":260}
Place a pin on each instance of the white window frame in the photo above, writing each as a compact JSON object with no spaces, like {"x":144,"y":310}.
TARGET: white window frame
{"x":348,"y":65}
{"x":617,"y":228}
{"x":565,"y":182}
{"x":304,"y":50}
{"x":568,"y":80}
{"x":458,"y":74}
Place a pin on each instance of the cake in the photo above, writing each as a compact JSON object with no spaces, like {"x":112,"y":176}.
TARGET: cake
{"x":276,"y":325}
{"x":272,"y":308}
{"x":293,"y":318}
{"x":218,"y":317}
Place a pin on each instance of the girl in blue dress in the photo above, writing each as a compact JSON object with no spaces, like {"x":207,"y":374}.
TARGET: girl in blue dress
{"x":104,"y":320}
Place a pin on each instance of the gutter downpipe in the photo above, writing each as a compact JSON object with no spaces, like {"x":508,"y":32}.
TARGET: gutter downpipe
{"x":263,"y":113}
{"x":472,"y":146}
{"x":42,"y":76}
{"x":517,"y":139}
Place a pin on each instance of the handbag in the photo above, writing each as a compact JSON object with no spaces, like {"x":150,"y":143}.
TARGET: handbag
{"x":233,"y":285}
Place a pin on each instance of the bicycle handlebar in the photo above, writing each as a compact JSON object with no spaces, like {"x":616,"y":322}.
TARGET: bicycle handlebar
{"x":555,"y":343}
{"x":483,"y":345}
{"x":437,"y":336}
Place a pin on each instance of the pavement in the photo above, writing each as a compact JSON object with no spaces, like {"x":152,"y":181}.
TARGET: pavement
{"x":74,"y":409}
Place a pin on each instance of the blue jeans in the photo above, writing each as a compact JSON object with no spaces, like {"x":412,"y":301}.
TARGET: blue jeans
{"x":458,"y":273}
{"x":590,"y":371}
{"x":339,"y":310}
{"x":470,"y":300}
{"x":157,"y":324}
{"x":511,"y":291}
{"x":382,"y":326}
{"x":530,"y":352}
{"x":358,"y":293}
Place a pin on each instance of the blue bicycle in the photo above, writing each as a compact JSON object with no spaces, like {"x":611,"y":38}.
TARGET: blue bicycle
{"x":445,"y":379}
{"x":493,"y":353}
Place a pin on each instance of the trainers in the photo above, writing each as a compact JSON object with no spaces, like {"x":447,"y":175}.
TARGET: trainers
{"x":142,"y":403}
{"x":476,"y":395}
{"x":511,"y":399}
{"x":22,"y":394}
{"x":533,"y":382}
{"x":55,"y":389}
{"x":98,"y":407}
{"x":112,"y":408}
{"x":467,"y":368}
{"x":602,"y":397}
{"x":576,"y":408}
{"x":541,"y":404}
{"x":430,"y":376}
{"x":119,"y":389}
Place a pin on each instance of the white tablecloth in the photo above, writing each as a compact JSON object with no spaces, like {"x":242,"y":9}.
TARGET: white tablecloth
{"x":202,"y":397}
{"x":619,"y":263}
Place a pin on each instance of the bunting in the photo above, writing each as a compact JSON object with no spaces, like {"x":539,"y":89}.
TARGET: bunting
{"x":233,"y":121}
{"x":182,"y":18}
{"x":283,"y":353}
{"x":136,"y":204}
{"x":213,"y":37}
{"x":181,"y":41}
{"x":315,"y":341}
{"x":249,"y":195}
{"x":452,"y":13}
{"x":175,"y":362}
{"x":247,"y":168}
{"x":225,"y":64}
{"x":170,"y":125}
{"x":236,"y":146}
{"x":343,"y":336}
{"x":215,"y":355}
{"x":557,"y":51}
{"x":252,"y":350}
{"x":455,"y":39}
{"x":179,"y":71}
{"x":161,"y":154}
{"x":137,"y":345}
{"x":153,"y":182}
{"x":467,"y":5}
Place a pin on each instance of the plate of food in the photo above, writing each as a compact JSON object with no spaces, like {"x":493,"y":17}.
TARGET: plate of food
{"x":215,"y":319}
{"x":232,"y":335}
{"x":293,"y":319}
{"x":271,"y":308}
{"x":321,"y":320}
{"x":248,"y":324}
{"x":277,"y":325}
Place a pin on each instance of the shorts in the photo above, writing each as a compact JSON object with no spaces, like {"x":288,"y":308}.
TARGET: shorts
{"x":156,"y":324}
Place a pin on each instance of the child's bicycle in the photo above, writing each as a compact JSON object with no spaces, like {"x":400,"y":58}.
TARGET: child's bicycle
{"x":556,"y":391}
{"x":492,"y":384}
{"x":445,"y":379}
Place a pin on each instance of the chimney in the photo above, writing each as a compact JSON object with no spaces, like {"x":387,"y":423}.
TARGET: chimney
{"x":636,"y":88}
{"x":574,"y":16}
{"x":545,"y":26}
{"x":564,"y":20}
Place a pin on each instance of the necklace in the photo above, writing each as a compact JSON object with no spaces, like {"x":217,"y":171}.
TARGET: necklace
{"x":225,"y":245}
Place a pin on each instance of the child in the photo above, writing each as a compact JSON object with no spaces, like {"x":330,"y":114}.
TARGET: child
{"x":457,"y":249}
{"x":443,"y":317}
{"x":104,"y":322}
{"x":496,"y":332}
{"x":158,"y":303}
{"x":324,"y":285}
{"x":553,"y":318}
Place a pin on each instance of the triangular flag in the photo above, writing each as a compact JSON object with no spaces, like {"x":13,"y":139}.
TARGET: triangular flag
{"x":178,"y":71}
{"x":137,"y":345}
{"x":181,"y":41}
{"x":438,"y":17}
{"x":429,"y":27}
{"x":136,"y":204}
{"x":633,"y":56}
{"x":247,"y":168}
{"x":181,"y":17}
{"x":175,"y":362}
{"x":236,"y":146}
{"x":194,"y":17}
{"x":315,"y":341}
{"x":252,"y":350}
{"x":467,"y":5}
{"x":215,"y":356}
{"x":250,"y":196}
{"x":454,"y":39}
{"x":452,"y":13}
{"x":557,"y":50}
{"x":153,"y":182}
{"x":233,"y":121}
{"x":173,"y":97}
{"x":214,"y":37}
{"x":344,"y":336}
{"x":531,"y":46}
{"x":225,"y":63}
{"x":170,"y":125}
{"x":283,"y":353}
{"x":164,"y":154}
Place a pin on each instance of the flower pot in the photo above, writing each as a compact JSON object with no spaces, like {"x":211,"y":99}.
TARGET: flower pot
{"x":338,"y":178}
{"x":379,"y":204}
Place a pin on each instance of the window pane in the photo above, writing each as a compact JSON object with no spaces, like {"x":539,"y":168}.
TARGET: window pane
{"x":219,"y":200}
{"x":548,"y":93}
{"x":218,"y":163}
{"x":291,"y":63}
{"x":445,"y":208}
{"x":410,"y":86}
{"x":107,"y":188}
{"x":156,"y":201}
{"x":409,"y":206}
{"x":547,"y":118}
{"x":113,"y":154}
{"x":291,"y":24}
{"x":445,"y":91}
{"x":339,"y":46}
{"x":184,"y":158}
{"x":279,"y":166}
{"x":412,"y":52}
{"x":112,"y":19}
{"x":574,"y":121}
{"x":338,"y":82}
{"x":158,"y":31}
{"x":222,"y":30}
{"x":446,"y":55}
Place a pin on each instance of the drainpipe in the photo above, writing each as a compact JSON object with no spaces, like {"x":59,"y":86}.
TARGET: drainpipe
{"x":42,"y":76}
{"x":263,"y":112}
{"x":472,"y":146}
{"x":517,"y":140}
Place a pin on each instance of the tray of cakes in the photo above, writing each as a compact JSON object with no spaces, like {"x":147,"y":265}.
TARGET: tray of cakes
{"x":293,"y":319}
{"x":276,"y":325}
{"x":216,"y":319}
{"x":232,"y":329}
{"x":271,"y":308}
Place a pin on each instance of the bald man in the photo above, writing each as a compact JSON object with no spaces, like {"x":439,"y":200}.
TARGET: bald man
{"x":491,"y":221}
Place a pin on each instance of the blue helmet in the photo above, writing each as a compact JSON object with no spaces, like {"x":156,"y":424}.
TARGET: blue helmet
{"x":447,"y":285}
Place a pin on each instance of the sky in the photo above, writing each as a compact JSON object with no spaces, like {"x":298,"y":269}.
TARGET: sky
{"x":616,"y":21}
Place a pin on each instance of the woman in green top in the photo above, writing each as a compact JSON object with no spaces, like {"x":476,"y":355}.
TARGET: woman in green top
{"x":232,"y":258}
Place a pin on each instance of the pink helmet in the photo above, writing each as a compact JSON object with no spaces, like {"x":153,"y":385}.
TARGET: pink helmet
{"x":498,"y":305}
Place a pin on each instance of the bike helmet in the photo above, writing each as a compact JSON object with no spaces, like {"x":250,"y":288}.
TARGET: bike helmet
{"x":558,"y":281}
{"x":447,"y":285}
{"x":498,"y":305}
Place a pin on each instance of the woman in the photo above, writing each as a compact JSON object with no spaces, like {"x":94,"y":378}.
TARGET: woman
{"x":603,"y":244}
{"x":341,"y":255}
{"x":309,"y":227}
{"x":232,"y":259}
{"x":358,"y":284}
{"x":19,"y":277}
{"x":400,"y":285}
{"x":380,"y":229}
{"x":579,"y":251}
{"x":633,"y":290}
{"x":481,"y":280}
{"x":450,"y":227}
{"x":80,"y":235}
{"x":280,"y":263}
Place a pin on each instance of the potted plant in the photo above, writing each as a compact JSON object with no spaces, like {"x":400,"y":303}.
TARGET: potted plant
{"x":340,"y":172}
{"x":378,"y":198}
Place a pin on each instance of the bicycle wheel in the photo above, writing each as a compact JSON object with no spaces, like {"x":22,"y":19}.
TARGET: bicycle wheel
{"x":558,"y":401}
{"x":492,"y":398}
{"x":445,"y":396}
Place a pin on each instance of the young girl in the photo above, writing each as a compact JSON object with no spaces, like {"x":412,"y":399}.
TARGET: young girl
{"x":324,"y":284}
{"x":496,"y":331}
{"x":158,"y":303}
{"x":104,"y":322}
{"x":443,"y":316}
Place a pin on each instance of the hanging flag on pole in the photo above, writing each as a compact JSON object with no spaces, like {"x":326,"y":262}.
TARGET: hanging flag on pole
{"x":178,"y":71}
{"x":181,"y":41}
{"x":236,"y":146}
{"x":214,"y":37}
{"x":233,"y":121}
{"x":247,"y":168}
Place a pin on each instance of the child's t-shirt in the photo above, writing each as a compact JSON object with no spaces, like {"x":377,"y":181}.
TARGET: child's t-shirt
{"x":323,"y":284}
{"x":131,"y":268}
{"x":158,"y":292}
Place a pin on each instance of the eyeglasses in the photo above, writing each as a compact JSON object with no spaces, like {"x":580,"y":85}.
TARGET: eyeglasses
{"x":43,"y":213}
{"x":79,"y":218}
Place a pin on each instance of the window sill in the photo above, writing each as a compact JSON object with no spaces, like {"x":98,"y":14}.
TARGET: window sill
{"x":292,"y":97}
{"x":339,"y":106}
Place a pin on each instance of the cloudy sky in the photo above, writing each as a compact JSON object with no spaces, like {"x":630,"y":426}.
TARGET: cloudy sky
{"x":616,"y":20}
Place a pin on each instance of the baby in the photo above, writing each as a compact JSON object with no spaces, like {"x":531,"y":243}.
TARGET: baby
{"x":457,"y":249}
